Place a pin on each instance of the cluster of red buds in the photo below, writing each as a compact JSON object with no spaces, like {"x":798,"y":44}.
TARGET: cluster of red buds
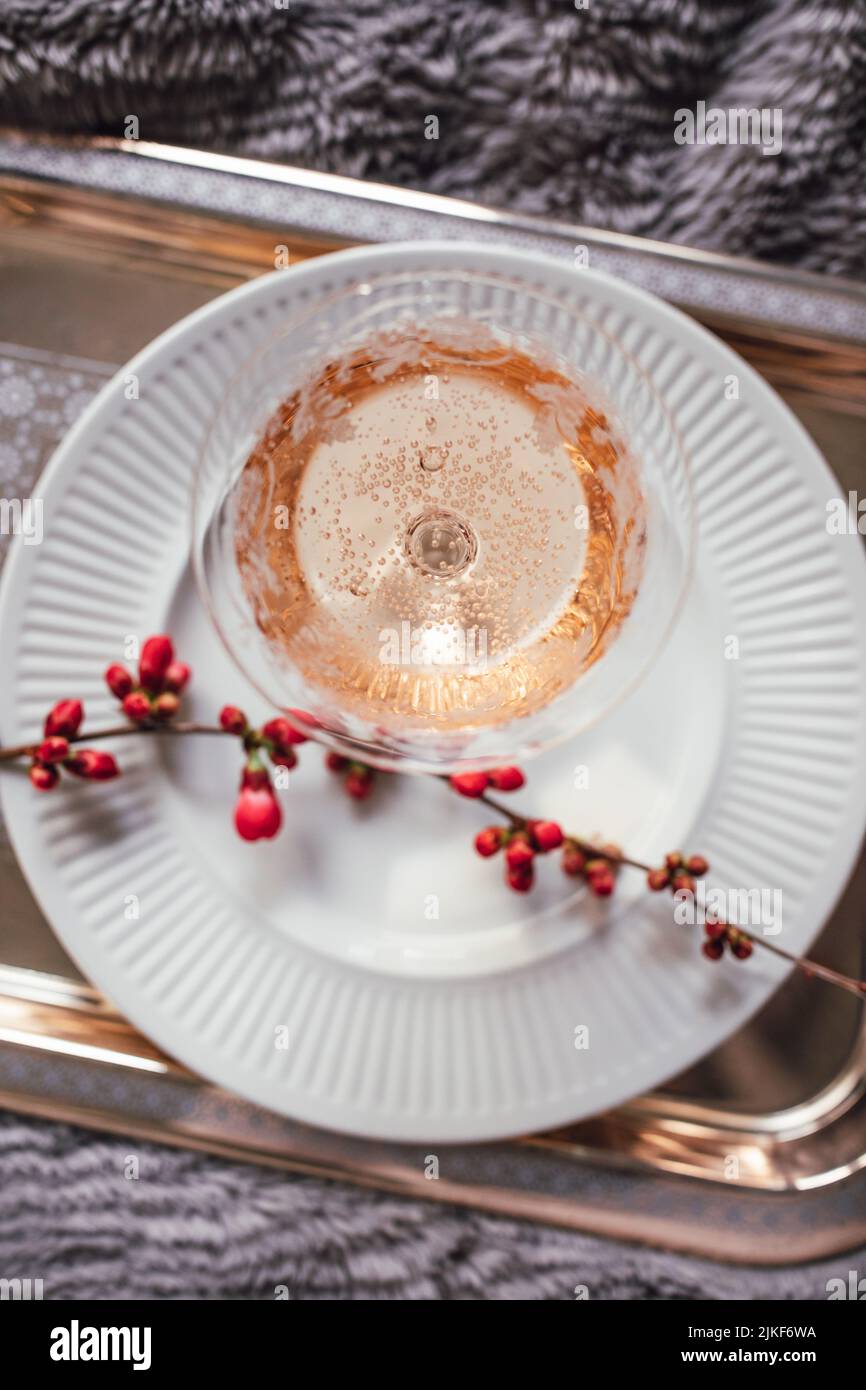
{"x":358,"y":778}
{"x":258,"y":815}
{"x":597,"y":869}
{"x":54,"y":752}
{"x":721,"y":934}
{"x":525,"y":840}
{"x":156,"y":694}
{"x":475,"y":784}
{"x":679,"y":873}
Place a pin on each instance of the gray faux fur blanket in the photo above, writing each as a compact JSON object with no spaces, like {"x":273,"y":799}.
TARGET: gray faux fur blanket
{"x":558,"y":106}
{"x":197,"y":1228}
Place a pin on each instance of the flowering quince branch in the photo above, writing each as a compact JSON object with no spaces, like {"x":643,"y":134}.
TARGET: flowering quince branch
{"x":523,"y":839}
{"x":151,"y":702}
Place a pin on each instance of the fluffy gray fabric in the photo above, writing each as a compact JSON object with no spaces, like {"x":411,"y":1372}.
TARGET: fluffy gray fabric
{"x":541,"y":105}
{"x":197,"y":1228}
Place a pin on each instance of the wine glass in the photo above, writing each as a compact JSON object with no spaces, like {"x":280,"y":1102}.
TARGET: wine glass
{"x":445,"y":513}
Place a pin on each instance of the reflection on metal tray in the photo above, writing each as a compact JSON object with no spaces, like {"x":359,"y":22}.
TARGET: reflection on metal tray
{"x":101,"y":247}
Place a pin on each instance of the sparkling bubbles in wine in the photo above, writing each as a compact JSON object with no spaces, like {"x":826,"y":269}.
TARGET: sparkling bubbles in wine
{"x":439,"y":529}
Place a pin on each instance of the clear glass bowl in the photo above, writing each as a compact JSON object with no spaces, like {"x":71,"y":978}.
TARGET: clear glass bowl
{"x":475,"y":321}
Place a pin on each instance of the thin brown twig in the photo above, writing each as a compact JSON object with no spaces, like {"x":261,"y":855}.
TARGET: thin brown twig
{"x":25,"y":750}
{"x":592,"y":851}
{"x":809,"y":968}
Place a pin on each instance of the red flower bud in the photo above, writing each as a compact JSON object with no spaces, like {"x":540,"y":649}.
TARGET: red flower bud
{"x":280,"y":733}
{"x":288,"y":734}
{"x":335,"y":762}
{"x":64,"y":719}
{"x":177,"y":676}
{"x":601,"y":883}
{"x":166,"y":705}
{"x":43,"y":777}
{"x":684,"y":883}
{"x":93,"y":765}
{"x":137,"y":707}
{"x":657,"y":879}
{"x":697,"y":865}
{"x":470,"y":783}
{"x":257,"y":811}
{"x":519,"y":855}
{"x":547,"y":835}
{"x":489,"y":841}
{"x":156,"y":657}
{"x":233,"y":720}
{"x":713,"y":949}
{"x":359,"y":782}
{"x":520,"y":880}
{"x":119,"y":681}
{"x":573,"y":862}
{"x":287,"y":758}
{"x":53,"y":750}
{"x":506,"y":779}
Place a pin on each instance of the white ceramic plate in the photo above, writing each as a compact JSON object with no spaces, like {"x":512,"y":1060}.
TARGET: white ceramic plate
{"x":402,"y":1024}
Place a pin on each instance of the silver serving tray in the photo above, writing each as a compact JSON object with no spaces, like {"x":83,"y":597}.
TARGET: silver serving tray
{"x":105,"y":243}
